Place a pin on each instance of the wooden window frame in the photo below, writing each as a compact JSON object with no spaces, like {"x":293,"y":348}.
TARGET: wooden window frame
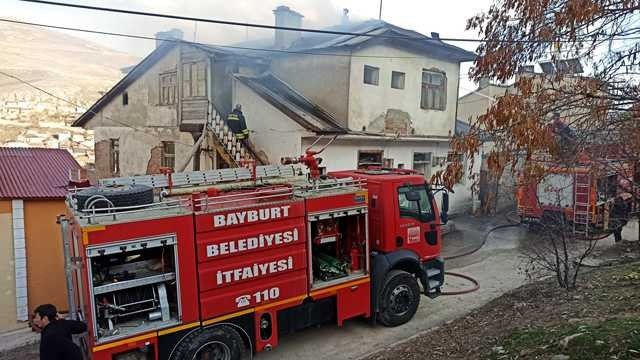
{"x":171,"y":88}
{"x":188,"y":84}
{"x":168,"y":159}
{"x":426,"y":87}
{"x":425,"y":163}
{"x":114,"y":156}
{"x":379,"y":153}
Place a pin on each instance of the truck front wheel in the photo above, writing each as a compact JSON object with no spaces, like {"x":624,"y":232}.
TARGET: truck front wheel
{"x":400,"y":298}
{"x":220,"y":343}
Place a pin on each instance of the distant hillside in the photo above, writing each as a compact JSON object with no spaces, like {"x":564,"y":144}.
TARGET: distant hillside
{"x":71,"y":68}
{"x":57,"y":62}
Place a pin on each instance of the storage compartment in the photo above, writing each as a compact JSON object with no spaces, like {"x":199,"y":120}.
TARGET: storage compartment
{"x":338,"y":245}
{"x":134,"y":287}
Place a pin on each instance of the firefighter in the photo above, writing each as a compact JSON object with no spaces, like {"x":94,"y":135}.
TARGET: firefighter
{"x":619,"y":215}
{"x":237,"y":123}
{"x":56,"y":342}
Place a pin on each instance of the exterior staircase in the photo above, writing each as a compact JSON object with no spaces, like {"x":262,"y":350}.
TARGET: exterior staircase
{"x":232,"y":150}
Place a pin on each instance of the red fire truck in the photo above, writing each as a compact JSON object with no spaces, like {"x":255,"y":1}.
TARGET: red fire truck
{"x":220,"y":264}
{"x":577,"y":196}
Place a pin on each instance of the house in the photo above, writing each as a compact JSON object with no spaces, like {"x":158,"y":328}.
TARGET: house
{"x":153,"y":116}
{"x":388,"y":96}
{"x":33,"y":186}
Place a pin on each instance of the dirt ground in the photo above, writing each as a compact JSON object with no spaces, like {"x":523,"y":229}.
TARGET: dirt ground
{"x":530,"y":322}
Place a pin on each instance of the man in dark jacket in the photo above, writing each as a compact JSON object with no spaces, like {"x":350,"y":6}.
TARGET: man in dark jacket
{"x":56,"y":342}
{"x":237,"y":123}
{"x":618,"y":217}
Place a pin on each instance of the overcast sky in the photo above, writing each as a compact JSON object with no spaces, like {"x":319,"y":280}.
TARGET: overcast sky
{"x":445,"y":17}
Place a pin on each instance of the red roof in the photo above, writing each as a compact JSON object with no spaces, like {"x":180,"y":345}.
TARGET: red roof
{"x":35,"y":173}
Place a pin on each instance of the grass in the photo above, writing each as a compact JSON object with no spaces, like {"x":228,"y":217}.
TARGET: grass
{"x":617,"y":338}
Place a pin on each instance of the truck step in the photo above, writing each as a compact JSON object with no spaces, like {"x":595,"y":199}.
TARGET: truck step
{"x":434,"y":284}
{"x":432,"y":273}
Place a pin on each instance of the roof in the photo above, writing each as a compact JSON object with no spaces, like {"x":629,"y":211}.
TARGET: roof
{"x":463,"y":128}
{"x":135,"y":72}
{"x":418,"y":42}
{"x":35,"y":173}
{"x":310,"y":42}
{"x":300,"y":109}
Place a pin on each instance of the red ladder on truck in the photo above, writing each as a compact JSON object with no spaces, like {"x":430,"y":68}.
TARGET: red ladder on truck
{"x":582,"y":195}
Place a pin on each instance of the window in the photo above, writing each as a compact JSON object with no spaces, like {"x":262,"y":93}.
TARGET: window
{"x":125,"y":98}
{"x":434,"y":89}
{"x":168,"y":88}
{"x":371,"y":75}
{"x":422,"y":163}
{"x":194,"y":79}
{"x":368,"y":158}
{"x":168,"y":154}
{"x":418,"y":209}
{"x":397,"y":80}
{"x":114,"y":156}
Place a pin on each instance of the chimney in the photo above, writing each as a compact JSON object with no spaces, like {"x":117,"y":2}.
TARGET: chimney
{"x":345,"y":17}
{"x":173,"y":34}
{"x":435,"y":35}
{"x":286,"y":17}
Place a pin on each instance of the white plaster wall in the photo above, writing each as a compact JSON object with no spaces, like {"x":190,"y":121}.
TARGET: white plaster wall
{"x":478,"y":102}
{"x":368,"y":102}
{"x":343,"y":155}
{"x":271,"y":130}
{"x":136,"y":145}
{"x":323,"y":79}
{"x":142,"y":108}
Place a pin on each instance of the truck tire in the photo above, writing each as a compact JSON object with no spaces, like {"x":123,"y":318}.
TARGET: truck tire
{"x":220,"y":343}
{"x":124,"y":195}
{"x":399,"y":299}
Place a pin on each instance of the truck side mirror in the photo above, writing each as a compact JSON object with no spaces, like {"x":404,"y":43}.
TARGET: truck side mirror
{"x":444,"y":209}
{"x":445,"y":203}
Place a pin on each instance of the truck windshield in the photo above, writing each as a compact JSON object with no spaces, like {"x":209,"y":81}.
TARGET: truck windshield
{"x":418,"y":209}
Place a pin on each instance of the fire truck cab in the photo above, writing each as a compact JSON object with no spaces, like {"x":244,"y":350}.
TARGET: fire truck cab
{"x":221,"y":263}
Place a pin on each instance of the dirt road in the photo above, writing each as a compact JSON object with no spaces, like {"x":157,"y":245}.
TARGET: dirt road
{"x":495,"y":266}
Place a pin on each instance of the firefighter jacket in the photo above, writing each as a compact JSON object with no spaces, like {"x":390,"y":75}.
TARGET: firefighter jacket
{"x":237,"y":124}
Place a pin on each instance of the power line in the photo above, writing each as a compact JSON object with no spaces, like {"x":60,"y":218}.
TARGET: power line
{"x":237,"y":23}
{"x":77,"y":105}
{"x":143,"y":37}
{"x":308,"y":30}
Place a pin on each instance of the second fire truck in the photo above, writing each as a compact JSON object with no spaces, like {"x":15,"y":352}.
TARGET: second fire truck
{"x":220,"y":264}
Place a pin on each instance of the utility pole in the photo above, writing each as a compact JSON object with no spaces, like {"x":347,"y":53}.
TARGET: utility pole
{"x":380,"y":13}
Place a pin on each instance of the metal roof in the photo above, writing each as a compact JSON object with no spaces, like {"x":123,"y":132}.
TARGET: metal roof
{"x":300,"y":109}
{"x":35,"y":173}
{"x":416,"y":41}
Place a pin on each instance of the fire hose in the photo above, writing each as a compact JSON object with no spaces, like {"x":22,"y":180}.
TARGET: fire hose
{"x":474,"y":282}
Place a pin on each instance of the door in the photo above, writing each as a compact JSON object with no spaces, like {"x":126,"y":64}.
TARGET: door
{"x":417,"y":229}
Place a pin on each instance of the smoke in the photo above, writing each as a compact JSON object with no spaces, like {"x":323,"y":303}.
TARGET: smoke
{"x":317,"y":14}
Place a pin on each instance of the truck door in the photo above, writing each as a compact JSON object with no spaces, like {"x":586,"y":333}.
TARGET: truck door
{"x":417,"y":229}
